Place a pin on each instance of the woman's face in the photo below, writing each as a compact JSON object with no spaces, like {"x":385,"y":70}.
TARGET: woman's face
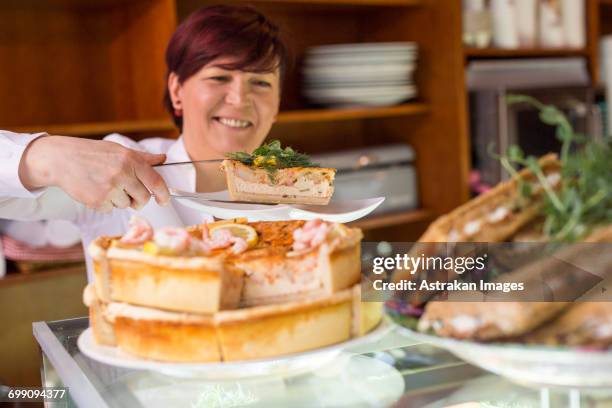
{"x":225,"y":111}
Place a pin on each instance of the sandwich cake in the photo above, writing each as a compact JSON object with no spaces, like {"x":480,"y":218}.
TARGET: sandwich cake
{"x":559,"y":201}
{"x":229,"y":290}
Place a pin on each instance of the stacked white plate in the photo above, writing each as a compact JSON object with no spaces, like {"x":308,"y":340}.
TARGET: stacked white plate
{"x":364,"y":74}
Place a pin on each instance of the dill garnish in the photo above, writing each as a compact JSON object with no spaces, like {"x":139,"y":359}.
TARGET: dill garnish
{"x":272,"y":157}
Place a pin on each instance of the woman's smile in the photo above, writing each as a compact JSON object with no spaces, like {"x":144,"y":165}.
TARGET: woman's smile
{"x":233,"y":123}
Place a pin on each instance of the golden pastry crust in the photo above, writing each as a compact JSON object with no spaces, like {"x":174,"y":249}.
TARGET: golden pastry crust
{"x":168,"y":340}
{"x":486,"y":320}
{"x":232,"y":335}
{"x":452,"y":226}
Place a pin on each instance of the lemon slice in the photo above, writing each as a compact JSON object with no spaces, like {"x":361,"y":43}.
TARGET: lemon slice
{"x":243,"y":231}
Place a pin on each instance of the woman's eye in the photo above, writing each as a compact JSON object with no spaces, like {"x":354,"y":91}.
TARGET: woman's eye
{"x":265,"y":84}
{"x":219,"y":78}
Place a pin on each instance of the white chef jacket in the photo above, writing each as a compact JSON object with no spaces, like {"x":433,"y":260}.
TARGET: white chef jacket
{"x":18,"y":203}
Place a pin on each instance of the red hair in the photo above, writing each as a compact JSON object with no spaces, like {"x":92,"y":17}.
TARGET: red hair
{"x":218,"y":31}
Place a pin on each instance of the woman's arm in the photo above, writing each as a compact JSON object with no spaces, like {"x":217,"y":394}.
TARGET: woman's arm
{"x":98,"y":174}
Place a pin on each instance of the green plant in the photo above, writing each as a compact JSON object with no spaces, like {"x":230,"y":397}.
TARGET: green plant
{"x":584,"y":198}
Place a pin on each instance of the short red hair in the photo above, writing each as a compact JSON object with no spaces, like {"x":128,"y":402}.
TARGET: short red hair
{"x":217,"y":31}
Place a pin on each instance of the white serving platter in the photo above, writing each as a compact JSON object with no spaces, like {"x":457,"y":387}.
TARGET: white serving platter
{"x":348,"y":380}
{"x":532,"y":365}
{"x":291,"y":364}
{"x":341,"y":211}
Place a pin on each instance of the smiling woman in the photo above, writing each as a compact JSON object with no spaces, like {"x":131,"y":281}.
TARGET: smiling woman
{"x":225,"y":65}
{"x":224,"y":71}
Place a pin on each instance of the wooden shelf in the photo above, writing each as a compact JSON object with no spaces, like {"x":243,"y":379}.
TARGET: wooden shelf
{"x":523,"y":52}
{"x":325,"y":115}
{"x":410,"y":3}
{"x":101,"y":128}
{"x":165,"y":125}
{"x":398,"y":218}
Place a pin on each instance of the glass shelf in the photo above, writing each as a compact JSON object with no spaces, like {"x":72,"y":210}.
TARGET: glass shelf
{"x":395,"y":370}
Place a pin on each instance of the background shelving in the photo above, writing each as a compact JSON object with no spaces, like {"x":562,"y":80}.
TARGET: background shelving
{"x":97,"y":67}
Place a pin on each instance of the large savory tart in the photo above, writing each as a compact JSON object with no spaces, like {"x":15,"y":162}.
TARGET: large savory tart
{"x":229,"y":290}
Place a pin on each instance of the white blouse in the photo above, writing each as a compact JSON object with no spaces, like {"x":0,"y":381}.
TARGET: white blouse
{"x":18,"y":203}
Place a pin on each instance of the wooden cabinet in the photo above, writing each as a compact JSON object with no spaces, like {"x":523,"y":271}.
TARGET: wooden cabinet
{"x":91,"y":68}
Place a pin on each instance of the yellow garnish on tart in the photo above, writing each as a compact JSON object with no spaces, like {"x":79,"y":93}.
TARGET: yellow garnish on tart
{"x":243,"y":231}
{"x":152,"y":248}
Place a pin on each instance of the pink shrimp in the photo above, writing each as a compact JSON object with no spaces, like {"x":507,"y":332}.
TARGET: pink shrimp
{"x":199,"y":246}
{"x":205,"y":233}
{"x":176,"y":239}
{"x":240,"y":245}
{"x":139,"y":232}
{"x":223,"y":238}
{"x":311,"y":235}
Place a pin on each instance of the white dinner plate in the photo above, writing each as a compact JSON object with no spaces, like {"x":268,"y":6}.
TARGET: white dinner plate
{"x":336,"y":211}
{"x":362,"y":73}
{"x":333,"y":96}
{"x":360,"y":91}
{"x":276,"y":366}
{"x":349,"y":83}
{"x":372,"y":47}
{"x":543,"y":366}
{"x":360,"y":58}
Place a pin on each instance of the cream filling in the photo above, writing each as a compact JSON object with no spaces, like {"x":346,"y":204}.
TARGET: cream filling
{"x":256,"y":286}
{"x":465,"y":324}
{"x":300,"y":188}
{"x":116,"y":309}
{"x":498,"y":214}
{"x":293,"y":276}
{"x":471,"y":228}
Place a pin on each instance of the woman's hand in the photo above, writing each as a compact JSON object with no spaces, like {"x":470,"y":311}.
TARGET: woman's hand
{"x":99,"y":174}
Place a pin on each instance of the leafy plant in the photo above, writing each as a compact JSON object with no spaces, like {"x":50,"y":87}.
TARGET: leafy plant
{"x":584,"y":198}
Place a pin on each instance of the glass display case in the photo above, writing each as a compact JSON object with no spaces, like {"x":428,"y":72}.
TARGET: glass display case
{"x":393,"y":371}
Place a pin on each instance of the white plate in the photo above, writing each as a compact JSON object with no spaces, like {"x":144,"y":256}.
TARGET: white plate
{"x":530,"y":364}
{"x":362,"y":73}
{"x":360,"y":58}
{"x":360,"y":91}
{"x":336,"y":211}
{"x":349,"y":83}
{"x":368,"y":99}
{"x":278,"y":366}
{"x":375,"y":47}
